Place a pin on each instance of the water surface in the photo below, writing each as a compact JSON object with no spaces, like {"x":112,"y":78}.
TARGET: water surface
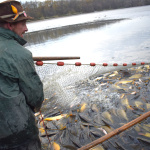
{"x":121,"y":41}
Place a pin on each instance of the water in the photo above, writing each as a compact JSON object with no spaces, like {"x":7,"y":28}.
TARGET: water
{"x":133,"y":12}
{"x":122,"y":41}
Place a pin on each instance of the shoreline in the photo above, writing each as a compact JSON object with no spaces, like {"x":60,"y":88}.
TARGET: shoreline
{"x":98,"y":22}
{"x":37,"y":36}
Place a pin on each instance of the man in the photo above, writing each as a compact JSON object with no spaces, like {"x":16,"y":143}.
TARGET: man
{"x":21,"y":90}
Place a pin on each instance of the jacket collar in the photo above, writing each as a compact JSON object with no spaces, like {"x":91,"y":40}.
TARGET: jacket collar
{"x":11,"y":35}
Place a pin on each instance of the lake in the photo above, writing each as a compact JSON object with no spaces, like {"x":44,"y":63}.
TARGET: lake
{"x":126,"y":40}
{"x":114,"y":36}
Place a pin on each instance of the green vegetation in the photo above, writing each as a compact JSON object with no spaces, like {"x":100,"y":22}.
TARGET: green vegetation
{"x":50,"y":8}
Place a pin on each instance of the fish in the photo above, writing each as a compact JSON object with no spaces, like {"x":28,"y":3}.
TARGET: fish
{"x":56,"y":146}
{"x":117,"y":87}
{"x":122,"y":113}
{"x":114,"y":74}
{"x":133,"y":93}
{"x":56,"y":117}
{"x":97,"y":132}
{"x":94,"y":120}
{"x":108,"y":129}
{"x":147,"y":105}
{"x":125,"y":102}
{"x":138,"y":104}
{"x":147,"y":66}
{"x":148,"y":125}
{"x":37,"y":114}
{"x":137,"y":128}
{"x":83,"y":106}
{"x":99,"y":147}
{"x":104,"y":131}
{"x":136,"y":76}
{"x":94,"y":108}
{"x":143,"y":126}
{"x":42,"y":132}
{"x":122,"y":96}
{"x":112,"y":111}
{"x":69,"y":147}
{"x":123,"y":82}
{"x":85,"y":117}
{"x":98,"y":78}
{"x":147,"y":134}
{"x":107,"y":115}
{"x":102,"y":84}
{"x":62,"y":127}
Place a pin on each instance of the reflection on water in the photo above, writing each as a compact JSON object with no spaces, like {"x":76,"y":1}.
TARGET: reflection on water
{"x":49,"y":34}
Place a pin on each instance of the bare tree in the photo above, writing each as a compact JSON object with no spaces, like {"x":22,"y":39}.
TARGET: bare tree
{"x":50,"y":8}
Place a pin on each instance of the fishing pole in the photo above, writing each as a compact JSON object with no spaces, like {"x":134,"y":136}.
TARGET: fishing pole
{"x":44,"y":58}
{"x":116,"y":131}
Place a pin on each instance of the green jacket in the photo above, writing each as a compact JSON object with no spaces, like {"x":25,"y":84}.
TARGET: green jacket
{"x":21,"y":91}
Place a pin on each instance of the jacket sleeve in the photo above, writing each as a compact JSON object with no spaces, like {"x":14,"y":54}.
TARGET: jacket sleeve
{"x":30,"y":83}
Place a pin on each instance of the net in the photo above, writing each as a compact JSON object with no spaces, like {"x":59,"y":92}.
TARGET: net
{"x":71,"y":83}
{"x":85,"y":102}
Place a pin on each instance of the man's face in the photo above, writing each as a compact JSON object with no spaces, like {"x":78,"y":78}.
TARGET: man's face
{"x":19,"y":28}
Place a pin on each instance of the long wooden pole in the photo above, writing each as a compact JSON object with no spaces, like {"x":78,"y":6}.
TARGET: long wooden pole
{"x":54,"y":58}
{"x":115,"y":132}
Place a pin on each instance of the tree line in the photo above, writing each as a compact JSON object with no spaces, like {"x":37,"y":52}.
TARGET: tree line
{"x":50,"y":8}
